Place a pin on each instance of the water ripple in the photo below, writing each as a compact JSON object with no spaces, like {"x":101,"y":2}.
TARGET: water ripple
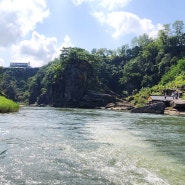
{"x":94,"y":147}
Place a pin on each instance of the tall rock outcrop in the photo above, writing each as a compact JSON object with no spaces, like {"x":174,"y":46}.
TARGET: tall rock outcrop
{"x":76,"y":79}
{"x":77,"y":86}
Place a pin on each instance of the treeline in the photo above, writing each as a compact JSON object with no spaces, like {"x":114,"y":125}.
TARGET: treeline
{"x":145,"y":63}
{"x":14,"y":83}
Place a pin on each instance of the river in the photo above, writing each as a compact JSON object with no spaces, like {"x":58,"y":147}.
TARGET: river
{"x":51,"y":146}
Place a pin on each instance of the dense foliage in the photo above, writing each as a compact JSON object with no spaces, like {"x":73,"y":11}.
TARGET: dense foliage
{"x":45,"y":77}
{"x":13,"y":83}
{"x":150,"y":61}
{"x":148,"y":65}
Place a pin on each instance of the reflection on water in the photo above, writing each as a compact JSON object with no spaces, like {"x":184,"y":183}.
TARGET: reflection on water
{"x":94,"y":147}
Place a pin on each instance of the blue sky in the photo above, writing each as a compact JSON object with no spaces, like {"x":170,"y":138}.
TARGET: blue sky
{"x":35,"y":30}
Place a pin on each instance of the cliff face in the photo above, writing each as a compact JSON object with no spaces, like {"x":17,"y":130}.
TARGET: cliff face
{"x":76,"y":79}
{"x":76,"y":87}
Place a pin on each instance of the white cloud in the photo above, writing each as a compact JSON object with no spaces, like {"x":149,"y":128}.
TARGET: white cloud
{"x":106,"y":4}
{"x":78,"y":2}
{"x":123,"y":23}
{"x":154,"y":33}
{"x":66,"y":43}
{"x":38,"y":51}
{"x":119,"y":23}
{"x":113,"y":4}
{"x":2,"y":62}
{"x":18,"y":18}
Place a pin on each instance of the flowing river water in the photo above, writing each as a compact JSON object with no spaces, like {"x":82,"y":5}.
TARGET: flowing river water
{"x":50,"y":146}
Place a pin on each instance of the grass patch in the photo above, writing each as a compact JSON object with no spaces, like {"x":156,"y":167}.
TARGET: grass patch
{"x":7,"y":105}
{"x":139,"y":99}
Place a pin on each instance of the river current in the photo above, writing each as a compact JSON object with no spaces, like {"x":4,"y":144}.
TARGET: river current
{"x":50,"y":146}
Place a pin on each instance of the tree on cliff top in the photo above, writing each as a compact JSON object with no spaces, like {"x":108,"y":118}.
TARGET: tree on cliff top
{"x":75,"y":54}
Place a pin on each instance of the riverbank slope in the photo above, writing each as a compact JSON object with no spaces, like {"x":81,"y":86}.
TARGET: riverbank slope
{"x":7,"y":105}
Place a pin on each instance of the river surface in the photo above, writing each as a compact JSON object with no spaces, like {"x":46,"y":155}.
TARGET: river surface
{"x":48,"y":146}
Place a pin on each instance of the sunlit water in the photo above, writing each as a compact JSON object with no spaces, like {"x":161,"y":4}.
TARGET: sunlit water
{"x":91,"y":147}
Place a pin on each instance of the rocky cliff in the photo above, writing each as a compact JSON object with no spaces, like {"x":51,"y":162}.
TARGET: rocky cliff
{"x":77,"y":86}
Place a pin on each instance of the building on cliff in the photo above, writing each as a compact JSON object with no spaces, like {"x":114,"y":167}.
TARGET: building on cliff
{"x":165,"y":99}
{"x":20,"y":65}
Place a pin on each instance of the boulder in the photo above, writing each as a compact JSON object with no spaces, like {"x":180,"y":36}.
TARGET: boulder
{"x":94,"y":99}
{"x":178,"y":104}
{"x":156,"y":108}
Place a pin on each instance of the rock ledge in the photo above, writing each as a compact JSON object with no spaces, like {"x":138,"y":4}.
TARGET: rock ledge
{"x":156,"y":108}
